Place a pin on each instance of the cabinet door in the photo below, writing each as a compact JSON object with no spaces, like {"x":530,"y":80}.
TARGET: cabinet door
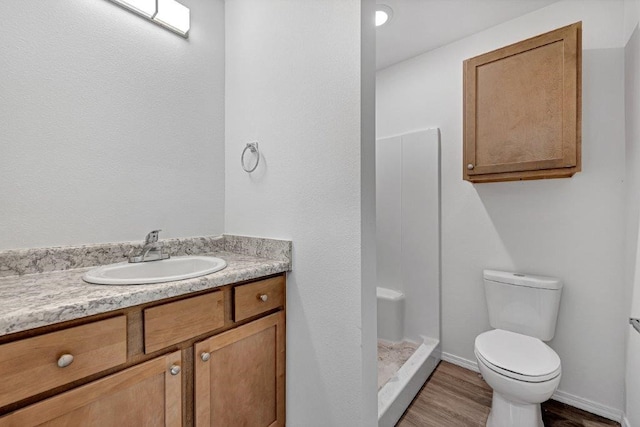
{"x":148,"y":394}
{"x":522,"y":113}
{"x":239,"y":376}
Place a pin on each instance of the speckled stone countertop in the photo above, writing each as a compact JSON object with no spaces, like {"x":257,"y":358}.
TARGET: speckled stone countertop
{"x":34,"y":300}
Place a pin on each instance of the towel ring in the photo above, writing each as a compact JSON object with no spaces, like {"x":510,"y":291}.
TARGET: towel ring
{"x":253,"y":147}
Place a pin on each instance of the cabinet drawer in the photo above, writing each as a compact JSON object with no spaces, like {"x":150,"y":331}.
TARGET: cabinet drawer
{"x":179,"y":321}
{"x":148,"y":394}
{"x":259,"y":297}
{"x":31,"y":366}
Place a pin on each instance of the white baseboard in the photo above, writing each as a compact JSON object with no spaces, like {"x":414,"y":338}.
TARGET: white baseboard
{"x":561,"y":396}
{"x":457,"y":360}
{"x":588,"y":405}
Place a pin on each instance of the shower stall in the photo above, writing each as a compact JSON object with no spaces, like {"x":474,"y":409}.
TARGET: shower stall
{"x":408,"y":262}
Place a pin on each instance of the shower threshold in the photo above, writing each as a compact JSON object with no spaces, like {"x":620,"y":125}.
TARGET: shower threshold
{"x":391,"y":357}
{"x":398,"y":390}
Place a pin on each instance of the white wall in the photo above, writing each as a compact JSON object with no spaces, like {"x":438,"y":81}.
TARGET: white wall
{"x":111,"y":126}
{"x":389,"y":212}
{"x":632,"y":135}
{"x":631,"y":17}
{"x":632,"y":181}
{"x":368,"y":268}
{"x":569,"y":228}
{"x":408,"y":226}
{"x":294,"y":83}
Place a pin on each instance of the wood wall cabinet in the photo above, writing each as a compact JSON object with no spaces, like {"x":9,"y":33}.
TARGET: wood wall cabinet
{"x":522,"y":109}
{"x":145,"y":365}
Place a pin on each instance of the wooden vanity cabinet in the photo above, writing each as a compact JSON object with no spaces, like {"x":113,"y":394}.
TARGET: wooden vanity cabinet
{"x":239,"y":376}
{"x":174,"y":322}
{"x":148,"y":394}
{"x":522,"y":109}
{"x":256,"y":298}
{"x":215,"y":357}
{"x":35,"y":364}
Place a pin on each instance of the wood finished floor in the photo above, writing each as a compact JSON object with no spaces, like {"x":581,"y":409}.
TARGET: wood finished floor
{"x":457,"y":397}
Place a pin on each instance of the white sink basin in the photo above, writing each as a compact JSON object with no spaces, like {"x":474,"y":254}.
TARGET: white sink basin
{"x":167,"y":270}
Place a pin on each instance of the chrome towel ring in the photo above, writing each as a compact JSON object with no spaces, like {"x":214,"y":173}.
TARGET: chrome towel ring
{"x":252,"y":147}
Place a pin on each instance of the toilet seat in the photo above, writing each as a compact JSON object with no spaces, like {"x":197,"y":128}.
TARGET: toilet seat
{"x":517,"y":356}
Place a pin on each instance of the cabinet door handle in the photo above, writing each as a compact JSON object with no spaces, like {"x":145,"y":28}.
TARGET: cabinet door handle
{"x":205,"y":356}
{"x":174,"y":370}
{"x":470,"y":166}
{"x":65,"y":360}
{"x":263,"y":297}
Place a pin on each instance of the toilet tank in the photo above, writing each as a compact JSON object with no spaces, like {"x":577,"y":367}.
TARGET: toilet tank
{"x":523,"y":303}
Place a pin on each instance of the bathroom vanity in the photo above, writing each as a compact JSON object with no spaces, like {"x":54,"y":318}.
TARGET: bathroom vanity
{"x":204,"y":351}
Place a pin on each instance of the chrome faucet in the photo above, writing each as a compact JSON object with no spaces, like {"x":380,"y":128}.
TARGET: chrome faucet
{"x":151,"y":251}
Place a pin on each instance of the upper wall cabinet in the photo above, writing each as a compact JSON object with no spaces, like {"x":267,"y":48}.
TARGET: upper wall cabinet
{"x":522,"y":109}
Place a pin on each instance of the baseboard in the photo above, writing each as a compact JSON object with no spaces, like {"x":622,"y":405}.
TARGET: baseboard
{"x":588,"y":405}
{"x":459,"y":361}
{"x":559,"y":395}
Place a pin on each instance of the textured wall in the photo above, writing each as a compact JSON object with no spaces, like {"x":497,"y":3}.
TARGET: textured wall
{"x":294,"y":83}
{"x":110,"y":126}
{"x":632,"y":182}
{"x":570,"y":228}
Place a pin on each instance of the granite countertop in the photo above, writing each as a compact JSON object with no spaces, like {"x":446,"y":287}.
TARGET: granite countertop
{"x":34,"y":300}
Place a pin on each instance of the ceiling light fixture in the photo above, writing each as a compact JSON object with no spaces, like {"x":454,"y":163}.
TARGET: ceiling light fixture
{"x":174,"y":16}
{"x":169,"y":14}
{"x":383,"y":14}
{"x":146,"y":8}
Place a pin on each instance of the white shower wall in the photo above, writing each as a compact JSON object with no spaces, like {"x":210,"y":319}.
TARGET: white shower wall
{"x":408,"y":226}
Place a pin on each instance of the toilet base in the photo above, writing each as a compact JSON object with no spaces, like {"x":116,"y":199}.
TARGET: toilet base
{"x":507,"y":413}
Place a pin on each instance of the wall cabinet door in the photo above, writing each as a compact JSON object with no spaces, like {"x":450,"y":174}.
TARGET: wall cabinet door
{"x":522,"y":109}
{"x":239,"y":375}
{"x":149,"y":394}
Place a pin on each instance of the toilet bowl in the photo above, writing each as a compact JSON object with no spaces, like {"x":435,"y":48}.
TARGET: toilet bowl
{"x":514,"y":360}
{"x":522,"y":371}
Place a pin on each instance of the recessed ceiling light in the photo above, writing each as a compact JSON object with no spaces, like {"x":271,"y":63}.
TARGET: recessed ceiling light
{"x":383,"y":14}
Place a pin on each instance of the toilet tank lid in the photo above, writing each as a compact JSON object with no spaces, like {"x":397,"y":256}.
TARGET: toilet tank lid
{"x":520,"y":279}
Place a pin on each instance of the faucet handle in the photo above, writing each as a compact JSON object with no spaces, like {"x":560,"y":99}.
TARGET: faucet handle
{"x":152,"y":237}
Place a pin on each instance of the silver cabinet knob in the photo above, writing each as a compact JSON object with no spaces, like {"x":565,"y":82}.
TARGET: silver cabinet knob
{"x":174,"y":370}
{"x":263,"y":297}
{"x":65,"y":360}
{"x":470,"y":166}
{"x":204,"y":356}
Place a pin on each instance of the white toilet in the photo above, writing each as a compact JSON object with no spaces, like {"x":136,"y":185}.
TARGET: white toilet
{"x":513,"y":359}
